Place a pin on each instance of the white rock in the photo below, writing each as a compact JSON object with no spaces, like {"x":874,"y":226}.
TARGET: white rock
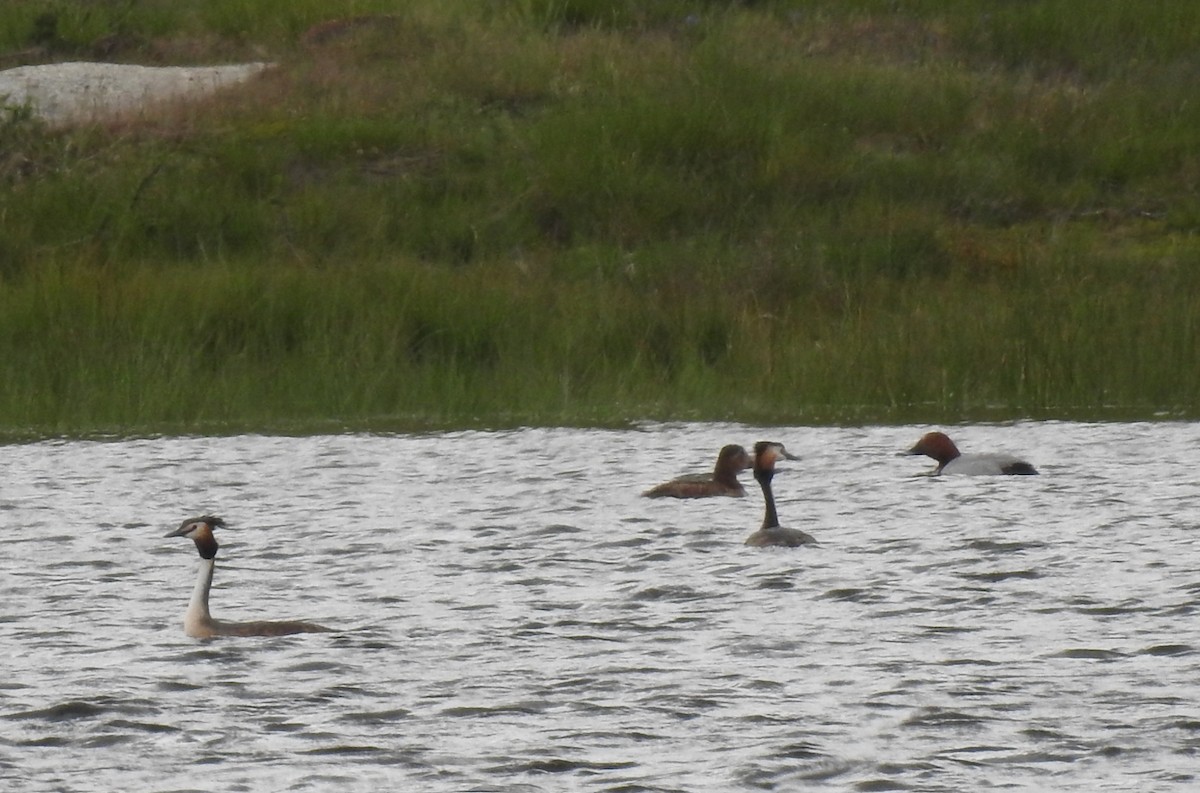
{"x":66,"y":92}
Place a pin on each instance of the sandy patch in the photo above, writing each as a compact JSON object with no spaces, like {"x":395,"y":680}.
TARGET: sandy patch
{"x":68,"y":92}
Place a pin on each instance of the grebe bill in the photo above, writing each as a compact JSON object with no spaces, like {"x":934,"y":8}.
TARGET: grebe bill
{"x":198,"y":622}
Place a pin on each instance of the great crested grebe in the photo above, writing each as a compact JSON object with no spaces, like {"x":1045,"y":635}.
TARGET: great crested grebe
{"x":766,"y":453}
{"x":723,"y":481}
{"x":950,"y":461}
{"x":197,"y":622}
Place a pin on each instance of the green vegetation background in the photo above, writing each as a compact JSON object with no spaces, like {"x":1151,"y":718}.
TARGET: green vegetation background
{"x":440,"y":213}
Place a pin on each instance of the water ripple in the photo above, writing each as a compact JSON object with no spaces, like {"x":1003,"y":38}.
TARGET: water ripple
{"x":514,"y":616}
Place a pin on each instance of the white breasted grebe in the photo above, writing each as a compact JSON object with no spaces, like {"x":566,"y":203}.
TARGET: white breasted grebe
{"x":197,"y":622}
{"x":950,"y":461}
{"x":766,"y":453}
{"x":723,"y":480}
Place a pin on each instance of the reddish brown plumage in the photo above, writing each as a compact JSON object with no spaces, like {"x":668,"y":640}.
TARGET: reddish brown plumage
{"x":936,"y":445}
{"x":723,"y":480}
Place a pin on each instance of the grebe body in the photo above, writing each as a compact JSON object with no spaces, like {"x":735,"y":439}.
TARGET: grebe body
{"x":723,"y":480}
{"x":950,"y":460}
{"x":766,"y":454}
{"x":198,"y":621}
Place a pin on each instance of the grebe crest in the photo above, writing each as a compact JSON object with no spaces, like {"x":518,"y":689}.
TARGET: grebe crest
{"x":200,"y":531}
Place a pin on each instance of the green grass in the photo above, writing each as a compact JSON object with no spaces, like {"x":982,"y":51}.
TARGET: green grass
{"x":581,"y":212}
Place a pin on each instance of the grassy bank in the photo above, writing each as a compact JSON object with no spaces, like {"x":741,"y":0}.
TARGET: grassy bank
{"x":493,"y":213}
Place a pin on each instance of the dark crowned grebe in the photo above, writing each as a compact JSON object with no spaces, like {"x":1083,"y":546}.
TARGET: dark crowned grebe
{"x":197,"y":622}
{"x":950,"y":461}
{"x":766,"y":453}
{"x":723,"y":481}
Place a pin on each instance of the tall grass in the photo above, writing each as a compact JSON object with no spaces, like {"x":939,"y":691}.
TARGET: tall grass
{"x":577,"y":212}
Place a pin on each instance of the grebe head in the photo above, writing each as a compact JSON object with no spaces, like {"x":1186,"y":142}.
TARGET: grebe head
{"x":200,"y":531}
{"x":766,"y":454}
{"x":734,"y":458}
{"x":936,"y":445}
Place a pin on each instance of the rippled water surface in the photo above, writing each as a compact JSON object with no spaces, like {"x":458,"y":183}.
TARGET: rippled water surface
{"x":515,"y":617}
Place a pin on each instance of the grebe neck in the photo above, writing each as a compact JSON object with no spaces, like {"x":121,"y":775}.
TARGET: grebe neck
{"x":198,"y":622}
{"x":770,"y":517}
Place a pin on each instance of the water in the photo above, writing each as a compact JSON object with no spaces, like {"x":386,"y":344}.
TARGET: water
{"x":517,"y":618}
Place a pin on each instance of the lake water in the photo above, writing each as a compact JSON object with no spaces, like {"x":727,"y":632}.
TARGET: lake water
{"x":515,"y":617}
